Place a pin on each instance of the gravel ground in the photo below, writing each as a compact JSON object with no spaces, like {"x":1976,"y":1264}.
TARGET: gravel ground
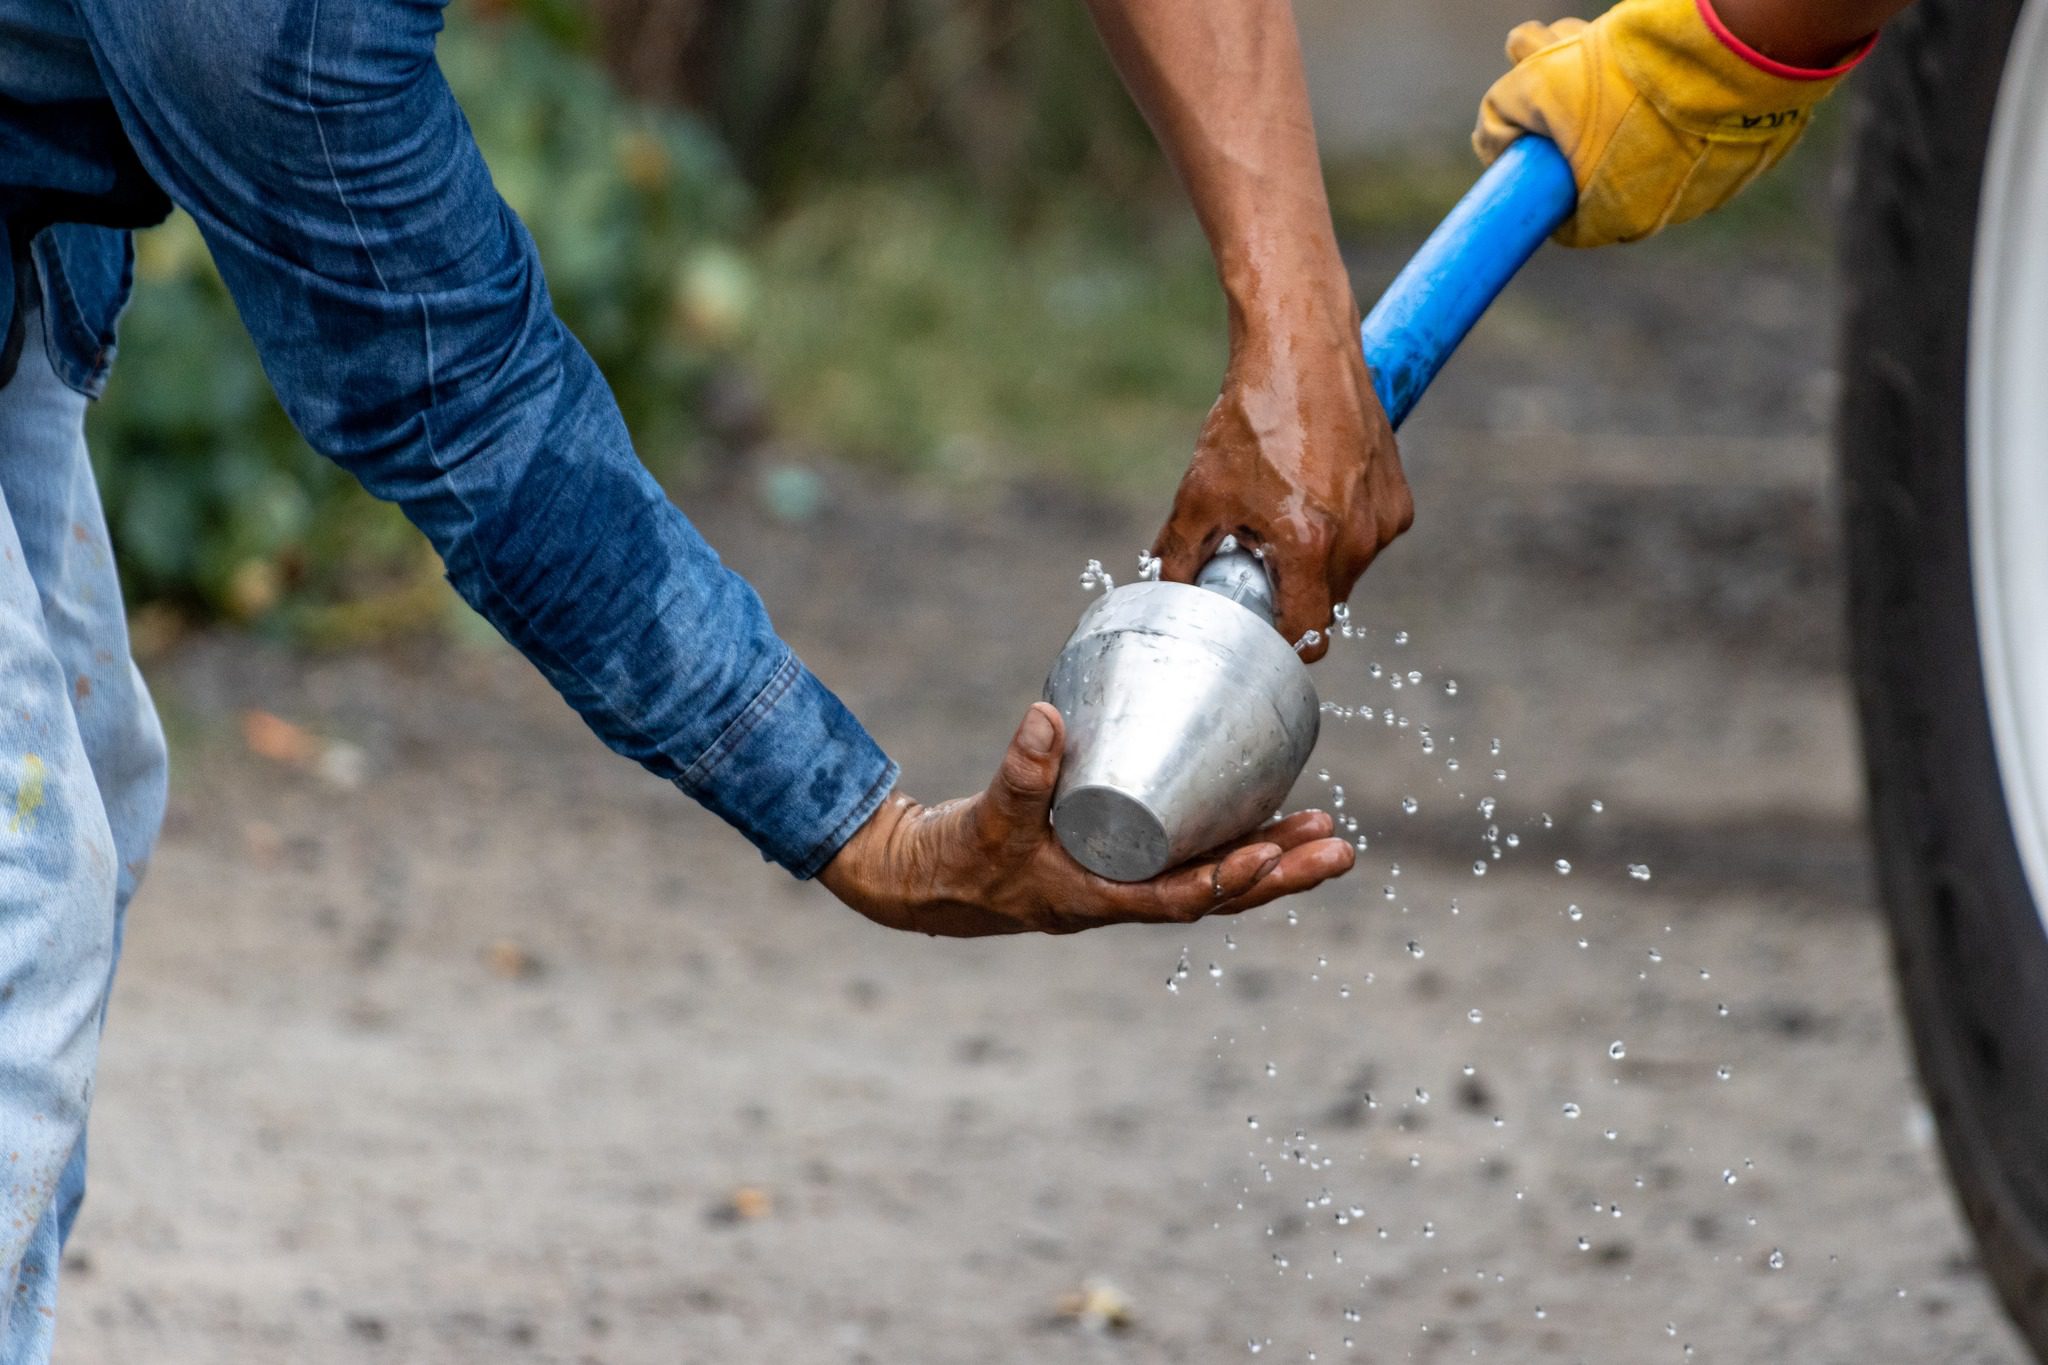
{"x":507,"y":1053}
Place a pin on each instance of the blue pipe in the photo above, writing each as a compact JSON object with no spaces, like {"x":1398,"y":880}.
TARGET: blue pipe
{"x":1523,"y":198}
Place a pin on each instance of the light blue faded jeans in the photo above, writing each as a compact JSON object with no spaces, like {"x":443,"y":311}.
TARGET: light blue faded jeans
{"x":82,"y":775}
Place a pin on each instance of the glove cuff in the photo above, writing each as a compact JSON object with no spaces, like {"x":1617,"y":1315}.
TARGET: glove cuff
{"x":1771,"y":65}
{"x":1682,"y":59}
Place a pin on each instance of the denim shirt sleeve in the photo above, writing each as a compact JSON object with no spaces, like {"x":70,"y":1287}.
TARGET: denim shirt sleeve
{"x":400,"y":312}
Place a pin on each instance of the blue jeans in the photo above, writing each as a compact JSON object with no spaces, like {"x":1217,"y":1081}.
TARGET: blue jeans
{"x":82,"y":780}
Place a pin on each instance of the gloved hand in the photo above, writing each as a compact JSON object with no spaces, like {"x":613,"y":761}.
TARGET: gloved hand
{"x":1663,"y":112}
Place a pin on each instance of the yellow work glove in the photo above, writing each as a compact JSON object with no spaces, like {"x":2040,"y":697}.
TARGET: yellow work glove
{"x":1663,"y":113}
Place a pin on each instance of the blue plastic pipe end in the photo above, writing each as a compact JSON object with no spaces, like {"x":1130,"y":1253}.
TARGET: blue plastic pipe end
{"x":1522,"y":198}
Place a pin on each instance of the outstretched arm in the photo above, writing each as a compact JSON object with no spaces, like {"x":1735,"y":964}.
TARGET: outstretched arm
{"x":1296,"y":457}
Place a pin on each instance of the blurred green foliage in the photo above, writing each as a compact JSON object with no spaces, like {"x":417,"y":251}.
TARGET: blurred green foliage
{"x":924,"y":330}
{"x":216,"y":504}
{"x":1016,"y":101}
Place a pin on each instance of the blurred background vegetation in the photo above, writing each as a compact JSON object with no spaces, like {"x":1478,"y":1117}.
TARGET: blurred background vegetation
{"x":929,"y":234}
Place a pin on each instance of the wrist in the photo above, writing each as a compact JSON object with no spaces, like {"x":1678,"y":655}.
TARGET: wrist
{"x":1796,"y":42}
{"x":1289,"y":306}
{"x":853,"y":872}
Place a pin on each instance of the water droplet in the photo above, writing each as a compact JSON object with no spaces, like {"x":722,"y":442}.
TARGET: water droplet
{"x":1722,"y":1073}
{"x":1728,"y":1176}
{"x":1617,"y":1050}
{"x":1474,"y":1015}
{"x":1400,"y":637}
{"x":1414,"y":948}
{"x":1564,"y":867}
{"x":1341,"y":611}
{"x":1450,"y":687}
{"x":1322,"y":774}
{"x":1479,"y":867}
{"x":1421,"y":1095}
{"x":1574,"y":914}
{"x":1640,"y":871}
{"x":1409,"y":805}
{"x":1596,"y":806}
{"x":1215,"y":972}
{"x":1571,"y":1110}
{"x":1271,"y":1070}
{"x":1776,"y":1260}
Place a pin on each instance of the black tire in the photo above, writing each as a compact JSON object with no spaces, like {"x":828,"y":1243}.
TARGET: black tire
{"x":1970,"y":945}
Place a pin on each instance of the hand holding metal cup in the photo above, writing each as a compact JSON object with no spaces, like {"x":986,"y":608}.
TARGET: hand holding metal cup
{"x":1188,"y":716}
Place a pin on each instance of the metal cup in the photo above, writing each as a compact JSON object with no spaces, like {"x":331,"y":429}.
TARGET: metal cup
{"x":1188,"y":718}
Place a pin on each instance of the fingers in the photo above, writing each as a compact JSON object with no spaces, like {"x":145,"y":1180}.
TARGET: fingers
{"x":1302,"y":587}
{"x":1287,"y":832}
{"x":1186,"y":541}
{"x":1253,"y":875}
{"x":1019,"y":801}
{"x":1300,"y":869}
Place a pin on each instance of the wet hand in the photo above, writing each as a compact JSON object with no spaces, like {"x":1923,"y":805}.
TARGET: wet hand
{"x":990,"y":864}
{"x":1296,"y":460}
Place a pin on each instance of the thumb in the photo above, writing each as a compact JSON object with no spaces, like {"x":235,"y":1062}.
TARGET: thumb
{"x":1531,"y":38}
{"x":1019,"y":801}
{"x":1184,"y":545}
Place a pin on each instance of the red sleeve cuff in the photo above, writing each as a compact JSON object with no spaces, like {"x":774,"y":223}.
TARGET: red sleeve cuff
{"x":1771,"y":65}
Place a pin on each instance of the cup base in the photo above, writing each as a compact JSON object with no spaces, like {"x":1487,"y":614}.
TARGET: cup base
{"x":1112,"y":833}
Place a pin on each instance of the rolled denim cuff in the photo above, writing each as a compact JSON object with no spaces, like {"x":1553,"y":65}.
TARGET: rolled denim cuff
{"x":795,"y":772}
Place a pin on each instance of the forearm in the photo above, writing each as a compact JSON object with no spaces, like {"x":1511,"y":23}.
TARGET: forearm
{"x":1814,"y":34}
{"x":1221,"y":83}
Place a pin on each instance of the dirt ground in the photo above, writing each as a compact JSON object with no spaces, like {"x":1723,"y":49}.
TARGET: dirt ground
{"x":510,"y":1054}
